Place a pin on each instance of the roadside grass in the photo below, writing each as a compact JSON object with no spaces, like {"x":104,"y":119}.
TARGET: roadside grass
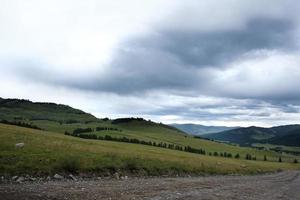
{"x":49,"y":152}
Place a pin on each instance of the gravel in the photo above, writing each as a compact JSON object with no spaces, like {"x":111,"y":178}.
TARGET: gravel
{"x":284,"y":186}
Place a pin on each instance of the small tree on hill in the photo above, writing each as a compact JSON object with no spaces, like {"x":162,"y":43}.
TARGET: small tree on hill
{"x":265,"y":158}
{"x":237,"y":156}
{"x":279,"y":160}
{"x":248,"y":157}
{"x":296,"y":161}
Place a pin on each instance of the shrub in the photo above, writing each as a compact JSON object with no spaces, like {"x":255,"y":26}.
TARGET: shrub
{"x":70,"y":164}
{"x":295,"y":161}
{"x":72,"y":121}
{"x":82,"y":130}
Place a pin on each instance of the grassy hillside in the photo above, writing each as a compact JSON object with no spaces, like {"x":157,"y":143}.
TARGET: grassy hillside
{"x":46,"y":138}
{"x":282,"y":135}
{"x":279,"y":148}
{"x":154,"y":132}
{"x":197,"y":129}
{"x":24,"y":110}
{"x":48,"y":152}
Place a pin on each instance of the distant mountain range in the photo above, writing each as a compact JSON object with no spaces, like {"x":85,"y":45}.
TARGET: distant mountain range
{"x":197,"y":129}
{"x":288,"y":135}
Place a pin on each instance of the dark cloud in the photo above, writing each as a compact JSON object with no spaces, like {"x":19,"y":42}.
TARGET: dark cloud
{"x":180,"y":60}
{"x":215,"y":48}
{"x":183,"y":61}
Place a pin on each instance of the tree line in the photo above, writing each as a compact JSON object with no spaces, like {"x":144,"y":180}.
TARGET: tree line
{"x":22,"y":124}
{"x":155,"y":144}
{"x":89,"y":130}
{"x":162,"y":145}
{"x":135,"y":141}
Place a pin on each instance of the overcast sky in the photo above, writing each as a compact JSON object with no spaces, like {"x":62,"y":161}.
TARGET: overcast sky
{"x":216,"y":62}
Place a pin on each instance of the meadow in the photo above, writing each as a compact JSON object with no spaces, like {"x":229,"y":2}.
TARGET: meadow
{"x":48,"y":152}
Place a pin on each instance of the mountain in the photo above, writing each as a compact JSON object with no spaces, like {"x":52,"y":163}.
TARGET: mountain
{"x":281,"y":135}
{"x":197,"y":129}
{"x":292,"y":139}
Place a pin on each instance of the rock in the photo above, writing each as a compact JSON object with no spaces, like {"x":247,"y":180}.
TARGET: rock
{"x":48,"y":178}
{"x":73,"y":177}
{"x":58,"y":177}
{"x":19,"y":145}
{"x":14,"y":178}
{"x":32,"y":179}
{"x":2,"y":178}
{"x":20,"y":179}
{"x":243,"y":166}
{"x":116,"y":175}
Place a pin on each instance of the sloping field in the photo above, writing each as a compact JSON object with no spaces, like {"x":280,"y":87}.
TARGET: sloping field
{"x":48,"y":152}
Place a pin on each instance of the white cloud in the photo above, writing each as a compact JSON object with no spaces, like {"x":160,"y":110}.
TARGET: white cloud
{"x":48,"y":46}
{"x":266,"y":74}
{"x":72,"y":34}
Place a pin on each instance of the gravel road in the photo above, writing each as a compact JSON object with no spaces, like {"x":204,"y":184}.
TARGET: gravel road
{"x":284,"y":186}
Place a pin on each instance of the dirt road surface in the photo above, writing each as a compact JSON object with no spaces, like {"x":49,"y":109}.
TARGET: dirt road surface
{"x":280,"y":186}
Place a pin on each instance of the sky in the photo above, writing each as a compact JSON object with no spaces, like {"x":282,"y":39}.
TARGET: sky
{"x":217,"y":62}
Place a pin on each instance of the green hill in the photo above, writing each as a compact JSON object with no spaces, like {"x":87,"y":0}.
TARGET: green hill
{"x":25,"y":110}
{"x":48,"y":153}
{"x":281,"y":135}
{"x":56,"y":138}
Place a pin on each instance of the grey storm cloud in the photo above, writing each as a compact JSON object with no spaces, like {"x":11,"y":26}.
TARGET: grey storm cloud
{"x":214,"y":48}
{"x":184,"y":61}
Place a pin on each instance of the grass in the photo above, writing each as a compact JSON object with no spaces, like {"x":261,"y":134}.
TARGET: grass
{"x":49,"y":152}
{"x":148,"y":131}
{"x":12,"y":109}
